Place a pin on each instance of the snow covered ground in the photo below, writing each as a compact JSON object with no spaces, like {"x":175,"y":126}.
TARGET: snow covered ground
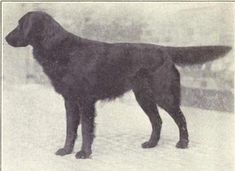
{"x":33,"y":123}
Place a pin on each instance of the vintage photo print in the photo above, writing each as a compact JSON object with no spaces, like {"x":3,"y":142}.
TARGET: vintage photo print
{"x":132,"y":86}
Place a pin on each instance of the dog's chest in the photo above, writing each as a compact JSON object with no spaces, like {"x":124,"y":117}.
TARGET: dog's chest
{"x":52,"y":66}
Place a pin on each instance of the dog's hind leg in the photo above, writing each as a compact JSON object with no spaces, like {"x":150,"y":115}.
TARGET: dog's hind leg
{"x":72,"y":122}
{"x":145,"y":98}
{"x":167,"y":92}
{"x":178,"y":116}
{"x":170,"y":101}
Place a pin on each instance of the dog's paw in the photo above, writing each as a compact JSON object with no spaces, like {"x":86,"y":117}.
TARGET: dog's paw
{"x":82,"y":155}
{"x":182,"y":144}
{"x":63,"y":151}
{"x":149,"y":144}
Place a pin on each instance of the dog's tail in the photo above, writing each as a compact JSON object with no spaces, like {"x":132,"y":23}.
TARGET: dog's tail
{"x":197,"y":54}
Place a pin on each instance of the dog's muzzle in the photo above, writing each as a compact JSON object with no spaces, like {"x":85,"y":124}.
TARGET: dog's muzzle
{"x":16,"y":40}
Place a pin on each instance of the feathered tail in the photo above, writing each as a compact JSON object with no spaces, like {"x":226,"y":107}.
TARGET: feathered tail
{"x":196,"y":54}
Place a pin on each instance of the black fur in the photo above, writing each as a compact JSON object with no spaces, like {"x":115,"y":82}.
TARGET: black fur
{"x":85,"y":71}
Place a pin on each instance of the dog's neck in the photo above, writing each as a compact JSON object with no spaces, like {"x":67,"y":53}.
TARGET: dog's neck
{"x":48,"y":56}
{"x":55,"y":53}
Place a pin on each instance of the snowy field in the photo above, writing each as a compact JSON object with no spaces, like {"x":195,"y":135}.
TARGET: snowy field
{"x":34,"y":128}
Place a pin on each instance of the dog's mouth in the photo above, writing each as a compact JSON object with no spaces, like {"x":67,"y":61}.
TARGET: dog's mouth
{"x":15,"y":42}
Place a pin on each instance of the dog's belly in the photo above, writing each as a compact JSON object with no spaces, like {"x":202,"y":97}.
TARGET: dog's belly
{"x":112,"y":90}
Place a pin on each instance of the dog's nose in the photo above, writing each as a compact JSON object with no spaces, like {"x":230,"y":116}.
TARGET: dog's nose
{"x":7,"y":38}
{"x":10,"y":40}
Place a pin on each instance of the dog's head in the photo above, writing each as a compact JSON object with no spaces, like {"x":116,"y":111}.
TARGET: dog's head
{"x":36,"y":28}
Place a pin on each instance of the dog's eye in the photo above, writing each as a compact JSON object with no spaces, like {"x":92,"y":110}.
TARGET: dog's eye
{"x":19,"y":27}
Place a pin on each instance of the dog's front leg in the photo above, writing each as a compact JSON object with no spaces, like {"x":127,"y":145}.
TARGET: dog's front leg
{"x":87,"y":121}
{"x":72,"y":122}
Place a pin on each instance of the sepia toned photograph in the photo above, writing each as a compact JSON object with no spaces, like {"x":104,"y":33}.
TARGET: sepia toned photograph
{"x":132,"y":86}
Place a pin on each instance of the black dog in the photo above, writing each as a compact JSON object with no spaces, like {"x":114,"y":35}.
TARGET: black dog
{"x":85,"y":71}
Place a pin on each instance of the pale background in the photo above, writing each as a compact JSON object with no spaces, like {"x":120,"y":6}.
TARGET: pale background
{"x":30,"y":135}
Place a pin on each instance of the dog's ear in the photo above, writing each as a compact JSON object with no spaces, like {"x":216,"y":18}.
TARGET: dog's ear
{"x":52,"y":34}
{"x":27,"y":26}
